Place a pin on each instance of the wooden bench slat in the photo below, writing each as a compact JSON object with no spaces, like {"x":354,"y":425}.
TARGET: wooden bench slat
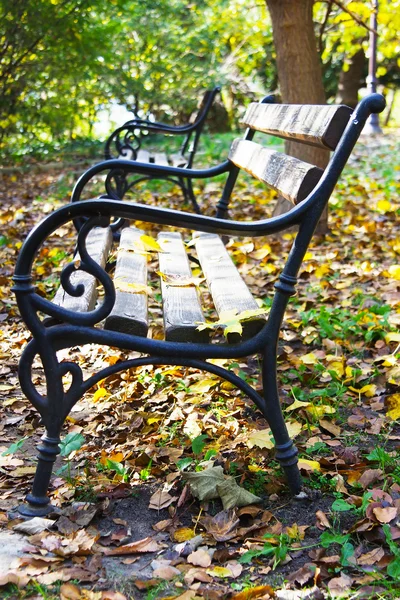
{"x":181,"y":304}
{"x":177,"y":160}
{"x":316,"y":125}
{"x":98,"y":245}
{"x":129,"y":314}
{"x":160,"y":158}
{"x":143,"y":156}
{"x":289,"y":176}
{"x":228,"y":290}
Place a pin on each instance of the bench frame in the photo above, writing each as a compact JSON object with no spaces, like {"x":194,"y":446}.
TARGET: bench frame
{"x":67,"y":329}
{"x":127,"y":141}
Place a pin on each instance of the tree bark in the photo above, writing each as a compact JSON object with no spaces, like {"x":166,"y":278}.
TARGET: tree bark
{"x":299,"y":73}
{"x":350,"y":80}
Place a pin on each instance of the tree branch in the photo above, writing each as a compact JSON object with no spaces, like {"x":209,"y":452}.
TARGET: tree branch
{"x":355,"y":17}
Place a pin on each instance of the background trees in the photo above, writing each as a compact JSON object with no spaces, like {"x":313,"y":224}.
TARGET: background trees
{"x":61,"y":61}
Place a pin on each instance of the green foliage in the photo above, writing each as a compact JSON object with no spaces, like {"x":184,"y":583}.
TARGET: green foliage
{"x":198,"y":443}
{"x":15,"y":447}
{"x":71,"y":442}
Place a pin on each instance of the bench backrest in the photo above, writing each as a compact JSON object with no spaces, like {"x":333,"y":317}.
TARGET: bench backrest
{"x":294,"y":179}
{"x":191,"y":141}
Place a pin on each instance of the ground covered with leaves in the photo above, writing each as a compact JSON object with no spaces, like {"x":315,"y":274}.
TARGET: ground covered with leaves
{"x":167,"y":485}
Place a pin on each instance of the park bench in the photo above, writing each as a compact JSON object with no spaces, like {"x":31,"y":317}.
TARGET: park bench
{"x":126,"y":143}
{"x":119,"y":317}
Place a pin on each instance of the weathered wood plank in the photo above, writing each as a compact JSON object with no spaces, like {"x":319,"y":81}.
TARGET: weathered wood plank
{"x":129,"y":314}
{"x":160,"y":158}
{"x":291,"y":177}
{"x":143,"y":156}
{"x":181,"y":304}
{"x":177,"y":160}
{"x":316,"y":125}
{"x":228,"y":290}
{"x":98,"y":245}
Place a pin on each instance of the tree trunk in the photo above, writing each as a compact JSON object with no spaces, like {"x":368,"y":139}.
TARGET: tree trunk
{"x":350,"y":80}
{"x":299,"y":73}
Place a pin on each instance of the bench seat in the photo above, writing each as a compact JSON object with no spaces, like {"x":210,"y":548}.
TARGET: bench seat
{"x":155,"y":158}
{"x":181,"y":299}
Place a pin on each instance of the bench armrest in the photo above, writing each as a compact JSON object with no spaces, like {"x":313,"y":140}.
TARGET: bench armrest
{"x":129,"y":166}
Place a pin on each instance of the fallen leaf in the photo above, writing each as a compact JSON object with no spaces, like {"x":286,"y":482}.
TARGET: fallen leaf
{"x":371,"y":558}
{"x":147,"y":544}
{"x":338,"y":585}
{"x":254,"y":593}
{"x":385,"y":515}
{"x":203,"y":484}
{"x":232,"y":495}
{"x":222,"y":526}
{"x":199,"y":558}
{"x":70,"y":591}
{"x":35,"y":525}
{"x":183,"y":534}
{"x":161,"y":500}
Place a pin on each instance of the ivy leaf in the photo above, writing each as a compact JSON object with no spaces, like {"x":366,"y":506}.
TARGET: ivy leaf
{"x":393,"y":569}
{"x":341,"y":505}
{"x":71,"y":442}
{"x":15,"y":447}
{"x":328,"y":538}
{"x":198,"y":443}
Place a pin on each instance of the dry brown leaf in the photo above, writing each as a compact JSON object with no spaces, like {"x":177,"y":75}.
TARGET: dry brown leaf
{"x":199,"y":558}
{"x":166,"y":572}
{"x":370,"y":558}
{"x":330,"y":427}
{"x":322,"y":520}
{"x":385,"y":515}
{"x":304,"y":574}
{"x":147,"y":544}
{"x":33,"y":526}
{"x":70,"y":591}
{"x":161,"y":500}
{"x":370,"y":476}
{"x":338,"y":585}
{"x":111,"y":595}
{"x":223,"y":526}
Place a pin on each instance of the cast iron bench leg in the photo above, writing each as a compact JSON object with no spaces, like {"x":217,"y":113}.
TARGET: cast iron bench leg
{"x":286,"y":451}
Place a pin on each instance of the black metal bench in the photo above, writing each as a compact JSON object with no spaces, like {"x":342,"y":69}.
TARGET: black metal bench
{"x":126,"y":143}
{"x":119,"y":319}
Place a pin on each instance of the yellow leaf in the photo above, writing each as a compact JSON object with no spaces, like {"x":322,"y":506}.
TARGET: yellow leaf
{"x":183,"y":534}
{"x":254,"y":468}
{"x":309,"y":359}
{"x":116,"y":456}
{"x":203,"y":386}
{"x":320,"y":410}
{"x":297,"y":404}
{"x":393,"y":336}
{"x":393,"y":402}
{"x":337,"y":367}
{"x":219,"y":572}
{"x":180,"y":281}
{"x":262,"y":438}
{"x":309,"y":465}
{"x":294,"y":428}
{"x":100,"y":393}
{"x":394,"y":272}
{"x":150,"y":244}
{"x":131,"y":288}
{"x":384,"y":205}
{"x":321,"y":271}
{"x":235,"y":327}
{"x":152,"y":420}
